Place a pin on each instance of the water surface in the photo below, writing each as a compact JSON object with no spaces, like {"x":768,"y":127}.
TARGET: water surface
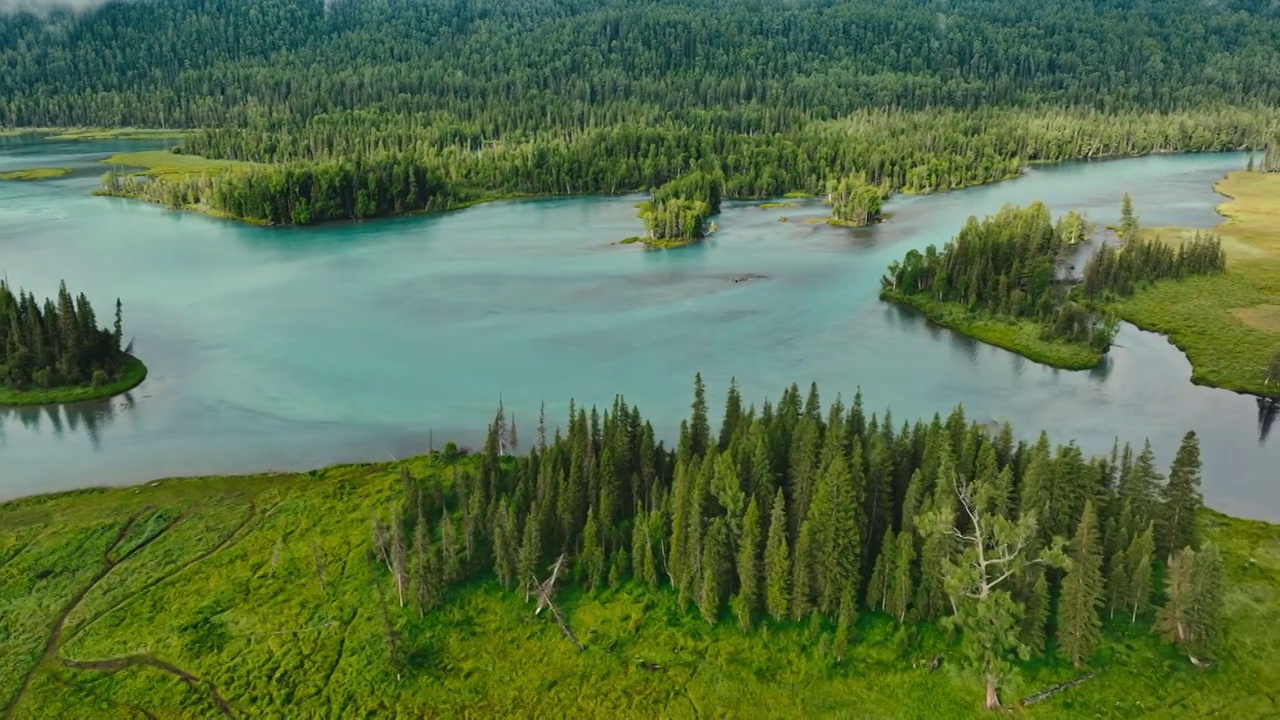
{"x":290,"y":349}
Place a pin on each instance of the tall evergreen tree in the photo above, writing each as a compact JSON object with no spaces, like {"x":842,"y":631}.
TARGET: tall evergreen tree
{"x":777,"y":562}
{"x":715,"y":552}
{"x":732,"y":414}
{"x":1137,"y":569}
{"x":1181,"y":499}
{"x":1190,"y":616}
{"x":748,"y":564}
{"x":898,"y":596}
{"x":699,"y":425}
{"x":1079,"y":625}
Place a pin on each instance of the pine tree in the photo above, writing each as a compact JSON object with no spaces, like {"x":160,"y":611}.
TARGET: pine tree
{"x":1190,"y":615}
{"x":699,"y":425}
{"x":899,"y":593}
{"x":802,"y":572}
{"x":1137,"y":566}
{"x":732,"y":414}
{"x":1181,"y":499}
{"x":1128,"y":228}
{"x":1036,"y":601}
{"x":777,"y":562}
{"x":1118,"y":581}
{"x":504,"y":547}
{"x":848,"y":615}
{"x":591,"y":558}
{"x":714,"y":560}
{"x":882,"y":574}
{"x":748,"y":565}
{"x":1080,"y":626}
{"x":530,"y":560}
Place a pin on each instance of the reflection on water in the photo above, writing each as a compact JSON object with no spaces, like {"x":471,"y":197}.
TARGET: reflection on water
{"x":1268,"y":408}
{"x":87,"y":418}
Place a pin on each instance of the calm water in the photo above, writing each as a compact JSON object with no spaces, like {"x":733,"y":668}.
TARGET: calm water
{"x":290,"y":349}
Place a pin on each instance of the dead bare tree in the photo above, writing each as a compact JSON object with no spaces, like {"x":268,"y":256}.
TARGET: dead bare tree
{"x":399,"y":562}
{"x":545,"y":590}
{"x":381,"y":543}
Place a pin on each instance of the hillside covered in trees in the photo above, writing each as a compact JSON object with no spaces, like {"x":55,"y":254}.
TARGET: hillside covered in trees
{"x":57,"y":352}
{"x":814,"y":544}
{"x":424,"y":105}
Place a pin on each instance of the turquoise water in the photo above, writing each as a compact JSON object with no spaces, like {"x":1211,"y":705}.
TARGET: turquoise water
{"x":290,"y":349}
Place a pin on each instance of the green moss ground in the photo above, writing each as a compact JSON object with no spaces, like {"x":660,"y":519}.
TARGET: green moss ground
{"x":135,"y":372}
{"x":217,"y":578}
{"x":1021,"y":337}
{"x":1226,"y":324}
{"x":162,"y":163}
{"x":34,"y":174}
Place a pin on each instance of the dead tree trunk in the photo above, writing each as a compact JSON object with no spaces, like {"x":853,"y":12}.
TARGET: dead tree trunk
{"x":545,"y":591}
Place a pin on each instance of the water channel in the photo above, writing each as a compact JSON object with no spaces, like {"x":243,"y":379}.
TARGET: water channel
{"x":275,"y":349}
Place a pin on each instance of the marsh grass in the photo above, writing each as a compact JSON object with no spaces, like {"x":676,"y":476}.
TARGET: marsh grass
{"x":35,"y":174}
{"x":217,"y":576}
{"x":1018,"y":336}
{"x":165,"y":164}
{"x":1226,"y":324}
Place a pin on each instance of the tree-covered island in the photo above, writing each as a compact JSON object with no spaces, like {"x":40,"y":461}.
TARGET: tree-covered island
{"x":55,"y":352}
{"x":1004,"y":280}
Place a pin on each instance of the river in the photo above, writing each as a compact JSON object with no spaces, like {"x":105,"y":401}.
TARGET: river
{"x":277,"y":349}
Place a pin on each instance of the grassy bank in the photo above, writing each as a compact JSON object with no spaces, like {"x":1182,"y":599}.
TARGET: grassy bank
{"x":1021,"y":337}
{"x":167,"y":165}
{"x":1229,"y":324}
{"x":135,"y":372}
{"x":34,"y":174}
{"x":50,"y":133}
{"x":262,"y":591}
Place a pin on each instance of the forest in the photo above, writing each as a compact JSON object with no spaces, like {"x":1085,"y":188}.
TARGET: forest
{"x":1013,"y":265}
{"x":57,"y":344}
{"x":800,"y":512}
{"x":480,"y":100}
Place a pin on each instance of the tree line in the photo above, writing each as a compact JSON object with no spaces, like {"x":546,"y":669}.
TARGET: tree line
{"x":800,"y":512}
{"x":56,"y":344}
{"x":534,"y":64}
{"x":1011,"y":264}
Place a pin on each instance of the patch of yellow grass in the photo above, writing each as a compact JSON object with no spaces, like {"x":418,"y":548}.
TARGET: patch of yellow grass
{"x":34,"y":174}
{"x":1262,"y":317}
{"x":1229,"y":324}
{"x":162,"y":163}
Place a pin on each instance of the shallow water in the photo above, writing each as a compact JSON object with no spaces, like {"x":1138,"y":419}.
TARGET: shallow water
{"x":290,"y":349}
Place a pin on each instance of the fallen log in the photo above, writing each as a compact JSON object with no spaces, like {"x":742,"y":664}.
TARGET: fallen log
{"x":545,"y":590}
{"x":1033,"y":699}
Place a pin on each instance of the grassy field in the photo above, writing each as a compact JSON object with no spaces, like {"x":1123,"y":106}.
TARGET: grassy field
{"x":34,"y":174}
{"x":1228,"y":325}
{"x":135,"y":372}
{"x":257,"y":597}
{"x":162,"y":163}
{"x":1021,"y":337}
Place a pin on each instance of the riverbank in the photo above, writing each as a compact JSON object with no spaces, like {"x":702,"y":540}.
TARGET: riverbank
{"x":54,"y":133}
{"x":134,"y":373}
{"x":1017,"y":336}
{"x":262,"y":591}
{"x":1228,"y":325}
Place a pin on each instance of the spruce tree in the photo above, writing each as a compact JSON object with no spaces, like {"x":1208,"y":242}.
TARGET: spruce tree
{"x":530,"y":560}
{"x":881,"y":575}
{"x":1137,"y":566}
{"x":847,"y":616}
{"x":591,"y":557}
{"x":1118,"y":581}
{"x":715,"y":550}
{"x":1079,"y":625}
{"x":802,"y":572}
{"x":1190,"y":615}
{"x":1181,"y":499}
{"x":1128,"y":228}
{"x":899,"y":594}
{"x":504,"y":548}
{"x":699,"y":425}
{"x":748,"y":565}
{"x":732,"y":414}
{"x":777,"y":562}
{"x":1036,"y":615}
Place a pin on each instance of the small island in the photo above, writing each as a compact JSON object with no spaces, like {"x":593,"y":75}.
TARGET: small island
{"x":56,"y":353}
{"x":1003,"y":280}
{"x":677,"y":212}
{"x":35,"y":174}
{"x":854,"y":202}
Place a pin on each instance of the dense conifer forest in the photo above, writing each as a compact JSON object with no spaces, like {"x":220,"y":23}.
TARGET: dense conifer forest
{"x":1014,"y":265}
{"x":57,"y":344}
{"x":471,"y":101}
{"x":800,"y":512}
